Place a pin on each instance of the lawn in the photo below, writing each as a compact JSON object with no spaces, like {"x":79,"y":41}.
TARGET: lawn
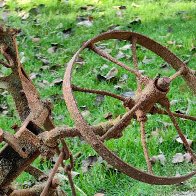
{"x":52,"y":31}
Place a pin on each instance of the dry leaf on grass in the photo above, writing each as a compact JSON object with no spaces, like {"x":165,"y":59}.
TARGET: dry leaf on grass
{"x":159,"y":158}
{"x":179,"y":140}
{"x":90,"y":161}
{"x":99,"y":194}
{"x":112,"y":73}
{"x":178,"y":158}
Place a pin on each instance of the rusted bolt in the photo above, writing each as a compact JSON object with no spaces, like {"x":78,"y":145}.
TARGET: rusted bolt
{"x":163,"y":83}
{"x":55,"y":183}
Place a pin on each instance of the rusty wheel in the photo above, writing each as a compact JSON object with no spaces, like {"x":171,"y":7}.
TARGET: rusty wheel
{"x":149,"y":93}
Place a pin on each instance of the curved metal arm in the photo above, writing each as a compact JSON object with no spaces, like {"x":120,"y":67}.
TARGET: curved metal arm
{"x":100,"y":92}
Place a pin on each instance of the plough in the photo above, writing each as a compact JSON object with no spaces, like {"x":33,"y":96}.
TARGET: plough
{"x":38,"y":135}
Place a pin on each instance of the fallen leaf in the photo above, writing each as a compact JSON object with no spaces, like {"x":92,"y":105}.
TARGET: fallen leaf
{"x":155,"y":133}
{"x":4,"y":108}
{"x":136,"y":21}
{"x":22,"y":57}
{"x":2,"y":4}
{"x":34,"y":75}
{"x":114,"y":27}
{"x":85,"y":21}
{"x":103,"y":67}
{"x":42,"y":59}
{"x":99,"y":100}
{"x":171,"y":42}
{"x":55,"y":66}
{"x":120,"y":55}
{"x":178,"y":158}
{"x":45,"y":61}
{"x":193,"y":48}
{"x":89,"y":162}
{"x":80,"y":61}
{"x":104,"y":48}
{"x":123,"y":78}
{"x":125,"y":47}
{"x":159,"y":158}
{"x":128,"y":94}
{"x":108,"y":116}
{"x":179,"y":46}
{"x":179,"y":140}
{"x":43,"y":84}
{"x":185,"y":193}
{"x":135,"y":5}
{"x":147,"y":60}
{"x":60,"y":117}
{"x":4,"y":16}
{"x":52,"y":49}
{"x":99,"y":194}
{"x":67,"y":32}
{"x":165,"y":124}
{"x":28,"y":184}
{"x":142,"y":71}
{"x":100,"y":77}
{"x":61,"y":175}
{"x":165,"y":66}
{"x":180,"y":111}
{"x":87,"y":7}
{"x":85,"y":113}
{"x":161,"y":140}
{"x":118,"y":87}
{"x":120,"y":7}
{"x":111,"y":74}
{"x":119,"y":13}
{"x":24,"y":15}
{"x":187,"y":157}
{"x":83,"y":107}
{"x":174,"y":101}
{"x":35,"y":39}
{"x":162,"y":159}
{"x":36,"y":10}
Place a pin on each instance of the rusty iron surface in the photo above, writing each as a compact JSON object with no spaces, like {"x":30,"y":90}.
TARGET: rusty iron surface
{"x":155,"y":91}
{"x":38,"y":135}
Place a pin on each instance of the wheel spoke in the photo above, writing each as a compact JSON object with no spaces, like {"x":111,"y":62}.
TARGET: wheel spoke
{"x":135,"y":63}
{"x":145,"y":148}
{"x":184,"y":116}
{"x":52,"y":174}
{"x":100,"y":92}
{"x":178,"y":73}
{"x":183,"y":138}
{"x":112,"y":59}
{"x":122,"y":124}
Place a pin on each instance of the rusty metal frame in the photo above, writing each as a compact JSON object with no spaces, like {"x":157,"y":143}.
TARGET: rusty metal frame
{"x":38,"y":135}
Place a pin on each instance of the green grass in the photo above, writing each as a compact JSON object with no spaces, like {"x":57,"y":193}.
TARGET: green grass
{"x":164,"y":21}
